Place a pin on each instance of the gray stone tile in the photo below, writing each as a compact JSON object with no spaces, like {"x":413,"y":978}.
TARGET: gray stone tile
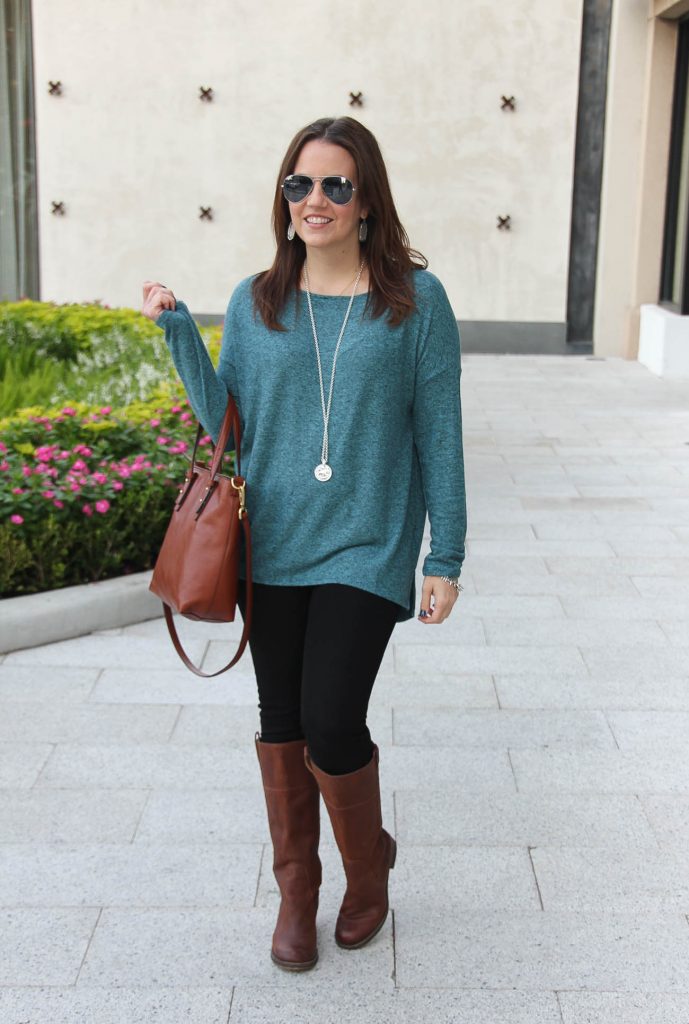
{"x":636,"y":663}
{"x":421,"y":659}
{"x":624,"y":1008}
{"x":481,"y":606}
{"x":587,"y":692}
{"x":223,"y":816}
{"x":458,"y":628}
{"x":678,"y":632}
{"x":650,"y":730}
{"x":663,"y":586}
{"x":571,"y":879}
{"x":434,"y":690}
{"x":669,"y":818}
{"x":115,"y":1005}
{"x":236,"y":726}
{"x":463,"y":877}
{"x":586,"y":528}
{"x":589,"y":585}
{"x":627,"y":566}
{"x":574,"y":632}
{"x":86,"y":723}
{"x":483,"y":530}
{"x":650,"y":548}
{"x":95,"y":651}
{"x":198,"y":948}
{"x":614,"y":609}
{"x":69,"y":815}
{"x":257,"y":1006}
{"x":23,"y":683}
{"x":205,"y":816}
{"x":145,"y":874}
{"x":44,"y":947}
{"x":602,"y":771}
{"x":146,"y":766}
{"x":428,"y":816}
{"x":543,"y":548}
{"x":21,"y":763}
{"x":532,"y":950}
{"x":499,"y":728}
{"x":162,"y":686}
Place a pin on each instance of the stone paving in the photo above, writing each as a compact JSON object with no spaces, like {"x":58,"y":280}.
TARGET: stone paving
{"x":534,"y":765}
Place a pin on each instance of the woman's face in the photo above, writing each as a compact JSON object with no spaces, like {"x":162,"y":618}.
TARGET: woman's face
{"x":318,"y":221}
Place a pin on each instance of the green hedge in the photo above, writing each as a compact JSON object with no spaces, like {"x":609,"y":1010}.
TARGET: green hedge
{"x":87,"y":486}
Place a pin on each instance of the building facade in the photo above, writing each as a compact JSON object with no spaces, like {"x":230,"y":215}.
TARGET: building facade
{"x":536,"y":152}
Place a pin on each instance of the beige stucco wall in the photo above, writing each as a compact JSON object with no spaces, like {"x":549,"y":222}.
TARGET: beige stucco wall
{"x":134,"y":153}
{"x":637,"y":140}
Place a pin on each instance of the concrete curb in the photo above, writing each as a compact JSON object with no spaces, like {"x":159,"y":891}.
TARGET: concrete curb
{"x":73,"y":611}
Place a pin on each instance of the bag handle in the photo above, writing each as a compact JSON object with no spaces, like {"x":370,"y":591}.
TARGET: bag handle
{"x":172,"y":629}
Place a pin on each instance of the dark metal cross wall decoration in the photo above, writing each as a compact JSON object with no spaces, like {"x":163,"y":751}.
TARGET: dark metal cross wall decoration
{"x":356,"y":99}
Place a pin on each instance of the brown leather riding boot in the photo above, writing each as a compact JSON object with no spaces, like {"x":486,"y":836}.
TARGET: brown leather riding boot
{"x":368,"y":851}
{"x":293,"y":804}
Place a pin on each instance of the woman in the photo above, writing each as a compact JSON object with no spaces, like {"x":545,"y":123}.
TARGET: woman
{"x":344,"y":361}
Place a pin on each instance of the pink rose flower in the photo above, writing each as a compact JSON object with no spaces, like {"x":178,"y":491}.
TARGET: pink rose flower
{"x":106,"y":410}
{"x":58,"y":504}
{"x":102,"y":506}
{"x":80,"y":465}
{"x":100,"y":478}
{"x":87,"y":510}
{"x":48,"y":494}
{"x":17,"y":520}
{"x":18,"y":490}
{"x":162,"y":440}
{"x":176,"y":408}
{"x":154,"y":423}
{"x":74,"y":487}
{"x":117,"y":485}
{"x":3,"y":447}
{"x":27,"y":471}
{"x":4,"y":465}
{"x":69,"y":411}
{"x":185,"y":417}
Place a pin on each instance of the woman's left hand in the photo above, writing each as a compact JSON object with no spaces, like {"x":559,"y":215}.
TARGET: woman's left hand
{"x":444,"y":596}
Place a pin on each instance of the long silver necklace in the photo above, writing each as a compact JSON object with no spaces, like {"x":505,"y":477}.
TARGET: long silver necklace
{"x":323,"y":471}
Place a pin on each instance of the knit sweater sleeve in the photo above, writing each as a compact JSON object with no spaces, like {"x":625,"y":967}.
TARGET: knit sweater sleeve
{"x":205,"y":386}
{"x":437,"y":418}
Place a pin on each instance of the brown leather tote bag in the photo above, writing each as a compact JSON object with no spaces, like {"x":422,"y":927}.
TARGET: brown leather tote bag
{"x":197,"y":569}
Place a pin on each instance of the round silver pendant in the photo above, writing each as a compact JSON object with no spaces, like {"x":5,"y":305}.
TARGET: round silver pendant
{"x":323,"y":471}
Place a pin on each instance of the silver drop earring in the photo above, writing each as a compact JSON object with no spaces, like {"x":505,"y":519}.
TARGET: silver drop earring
{"x":363,"y":231}
{"x":290,"y":232}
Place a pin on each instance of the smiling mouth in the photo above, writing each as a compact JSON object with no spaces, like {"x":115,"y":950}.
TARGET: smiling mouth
{"x":317,"y":221}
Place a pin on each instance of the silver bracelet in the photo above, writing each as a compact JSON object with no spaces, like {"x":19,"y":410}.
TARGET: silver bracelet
{"x":453,"y":582}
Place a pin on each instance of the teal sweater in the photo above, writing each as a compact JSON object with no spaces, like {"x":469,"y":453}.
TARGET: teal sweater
{"x":395,"y":437}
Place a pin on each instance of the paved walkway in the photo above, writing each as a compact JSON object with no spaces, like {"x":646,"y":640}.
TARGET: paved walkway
{"x":534,"y":761}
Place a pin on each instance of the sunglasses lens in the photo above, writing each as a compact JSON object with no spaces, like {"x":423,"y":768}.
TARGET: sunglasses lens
{"x":338,"y":190}
{"x":296,"y":187}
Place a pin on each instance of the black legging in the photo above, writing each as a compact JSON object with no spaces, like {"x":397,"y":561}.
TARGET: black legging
{"x":316,"y":651}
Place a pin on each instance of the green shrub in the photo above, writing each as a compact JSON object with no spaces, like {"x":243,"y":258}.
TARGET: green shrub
{"x":86,"y":492}
{"x":50,"y":354}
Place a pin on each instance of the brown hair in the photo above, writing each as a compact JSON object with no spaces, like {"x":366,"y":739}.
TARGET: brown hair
{"x":390,"y":258}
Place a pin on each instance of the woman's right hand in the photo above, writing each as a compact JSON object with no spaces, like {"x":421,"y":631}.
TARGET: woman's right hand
{"x":156,"y":298}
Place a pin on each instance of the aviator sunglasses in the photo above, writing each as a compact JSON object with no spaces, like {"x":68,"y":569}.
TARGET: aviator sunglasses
{"x":296,"y":187}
